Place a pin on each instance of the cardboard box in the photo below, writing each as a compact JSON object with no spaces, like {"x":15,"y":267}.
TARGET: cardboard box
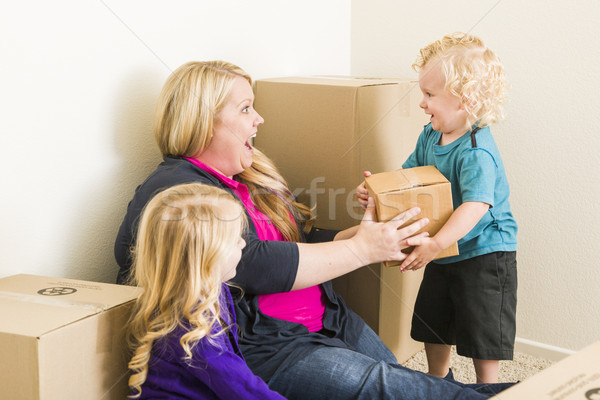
{"x":576,"y":377}
{"x":424,"y":187}
{"x":322,"y":133}
{"x":63,"y":338}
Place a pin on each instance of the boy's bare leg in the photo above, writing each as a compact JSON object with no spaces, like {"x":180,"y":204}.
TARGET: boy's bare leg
{"x":486,"y":370}
{"x":438,"y":359}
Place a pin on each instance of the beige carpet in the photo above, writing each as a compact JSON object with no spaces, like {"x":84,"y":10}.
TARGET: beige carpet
{"x":521,"y":367}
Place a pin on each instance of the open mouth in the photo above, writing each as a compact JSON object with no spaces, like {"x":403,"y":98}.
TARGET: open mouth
{"x":250,"y":139}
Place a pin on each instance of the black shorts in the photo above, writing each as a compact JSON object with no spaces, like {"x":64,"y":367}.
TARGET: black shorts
{"x":470,"y":304}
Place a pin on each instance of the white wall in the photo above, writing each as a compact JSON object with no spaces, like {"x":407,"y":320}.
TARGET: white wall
{"x":549,"y":139}
{"x":78,"y":86}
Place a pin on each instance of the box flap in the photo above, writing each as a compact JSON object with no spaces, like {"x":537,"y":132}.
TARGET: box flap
{"x":569,"y":379}
{"x":333,"y":81}
{"x":402,"y":179}
{"x":33,"y":305}
{"x":34,"y":320}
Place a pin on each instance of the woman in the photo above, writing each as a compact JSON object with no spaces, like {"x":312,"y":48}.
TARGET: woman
{"x":295,"y":332}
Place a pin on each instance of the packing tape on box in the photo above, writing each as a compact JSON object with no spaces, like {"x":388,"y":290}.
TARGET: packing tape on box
{"x":412,"y":178}
{"x":53,"y":301}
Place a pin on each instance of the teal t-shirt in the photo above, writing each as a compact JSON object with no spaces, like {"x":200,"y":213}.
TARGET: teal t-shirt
{"x":476,"y":173}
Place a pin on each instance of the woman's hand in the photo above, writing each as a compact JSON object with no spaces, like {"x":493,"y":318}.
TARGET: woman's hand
{"x":378,"y":241}
{"x":371,"y":242}
{"x":362,"y":194}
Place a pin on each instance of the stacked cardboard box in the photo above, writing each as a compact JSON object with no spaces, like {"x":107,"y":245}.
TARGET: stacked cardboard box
{"x":322,"y":133}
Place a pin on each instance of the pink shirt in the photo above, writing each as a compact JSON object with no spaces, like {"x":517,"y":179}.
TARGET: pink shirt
{"x":305,"y":306}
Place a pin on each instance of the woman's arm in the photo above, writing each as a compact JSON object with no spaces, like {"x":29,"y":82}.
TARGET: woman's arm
{"x":368,"y":243}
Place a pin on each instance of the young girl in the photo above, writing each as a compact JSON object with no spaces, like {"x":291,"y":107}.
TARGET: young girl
{"x":470,"y":299}
{"x":182,"y":330}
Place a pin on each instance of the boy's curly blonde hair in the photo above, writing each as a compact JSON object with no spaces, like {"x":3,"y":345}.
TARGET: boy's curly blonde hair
{"x":473,"y":73}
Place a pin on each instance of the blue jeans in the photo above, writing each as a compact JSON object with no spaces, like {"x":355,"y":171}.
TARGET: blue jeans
{"x":370,"y":372}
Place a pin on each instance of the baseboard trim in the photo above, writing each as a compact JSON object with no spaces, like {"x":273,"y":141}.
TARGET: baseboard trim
{"x":541,"y":350}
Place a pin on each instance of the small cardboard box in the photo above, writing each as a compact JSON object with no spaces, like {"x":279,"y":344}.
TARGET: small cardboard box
{"x":397,"y":191}
{"x":576,"y":377}
{"x":322,"y":133}
{"x":63,"y":338}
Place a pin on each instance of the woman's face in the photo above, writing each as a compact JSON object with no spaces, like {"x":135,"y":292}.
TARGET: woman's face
{"x":229,"y":151}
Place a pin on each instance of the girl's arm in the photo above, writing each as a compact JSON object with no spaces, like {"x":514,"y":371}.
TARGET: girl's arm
{"x":226,"y":375}
{"x":462,"y":220}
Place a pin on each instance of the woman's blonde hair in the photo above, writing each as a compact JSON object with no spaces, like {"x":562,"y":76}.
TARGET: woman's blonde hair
{"x":272,"y":197}
{"x":185,"y":234}
{"x":188,"y":104}
{"x":473,"y":73}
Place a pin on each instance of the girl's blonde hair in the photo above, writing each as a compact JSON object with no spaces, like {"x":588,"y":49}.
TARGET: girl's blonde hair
{"x":473,"y":73}
{"x":185,"y":234}
{"x":188,"y":104}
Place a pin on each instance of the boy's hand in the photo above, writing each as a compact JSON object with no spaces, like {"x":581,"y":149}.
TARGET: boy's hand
{"x":462,"y":220}
{"x":362,"y":194}
{"x":425,"y":250}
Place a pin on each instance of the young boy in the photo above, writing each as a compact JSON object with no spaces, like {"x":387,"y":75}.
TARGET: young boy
{"x":470,"y":299}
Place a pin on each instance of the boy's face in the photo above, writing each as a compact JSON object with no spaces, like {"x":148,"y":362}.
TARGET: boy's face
{"x":448,"y":114}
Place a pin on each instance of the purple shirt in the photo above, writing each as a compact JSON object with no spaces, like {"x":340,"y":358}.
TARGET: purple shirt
{"x":216,"y":371}
{"x":305,"y":306}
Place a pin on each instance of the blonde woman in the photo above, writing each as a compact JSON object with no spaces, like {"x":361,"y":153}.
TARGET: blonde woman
{"x":182,"y":330}
{"x":296,"y":332}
